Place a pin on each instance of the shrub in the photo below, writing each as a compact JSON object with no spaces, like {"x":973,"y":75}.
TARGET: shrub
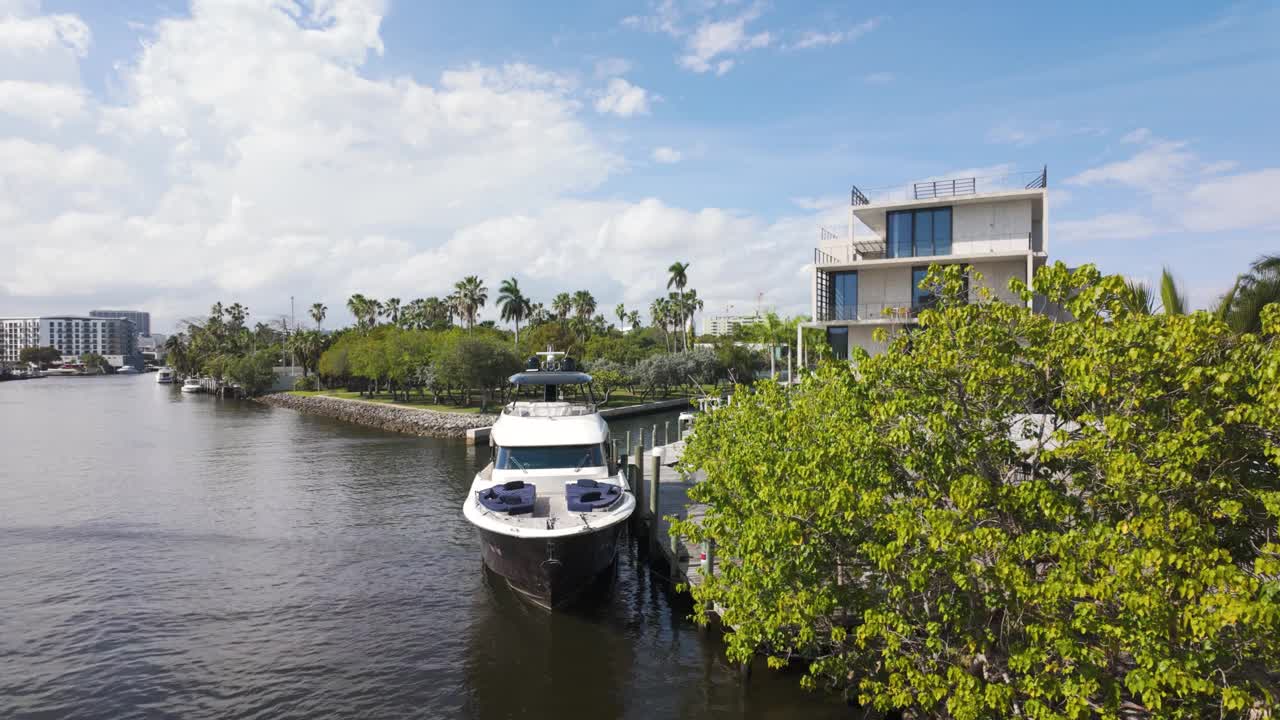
{"x":1010,"y":516}
{"x":305,"y":383}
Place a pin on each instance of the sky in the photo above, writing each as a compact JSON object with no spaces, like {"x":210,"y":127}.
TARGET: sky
{"x":167,"y":155}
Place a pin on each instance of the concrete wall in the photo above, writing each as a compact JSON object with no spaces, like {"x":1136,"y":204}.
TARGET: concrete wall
{"x":984,"y":227}
{"x":996,"y":275}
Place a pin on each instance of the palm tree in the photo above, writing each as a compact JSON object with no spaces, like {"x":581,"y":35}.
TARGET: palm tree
{"x":391,"y":310}
{"x":1139,"y":299}
{"x":562,"y":305}
{"x":660,"y":311}
{"x":514,"y":305}
{"x":690,"y":304}
{"x":634,"y":317}
{"x":621,"y":312}
{"x":679,"y":275}
{"x":1173,"y":299}
{"x":1242,"y":306}
{"x":772,"y":331}
{"x":317,"y":313}
{"x":679,"y":278}
{"x":470,"y":295}
{"x":584,"y":304}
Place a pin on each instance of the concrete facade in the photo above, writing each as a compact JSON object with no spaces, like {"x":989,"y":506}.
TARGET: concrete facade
{"x":1002,"y":234}
{"x":72,"y":335}
{"x":720,"y":325}
{"x":140,"y":318}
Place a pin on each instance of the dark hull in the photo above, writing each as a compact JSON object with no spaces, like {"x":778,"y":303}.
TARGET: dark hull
{"x":551,"y":572}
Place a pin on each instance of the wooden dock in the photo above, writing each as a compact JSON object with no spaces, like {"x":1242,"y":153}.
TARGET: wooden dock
{"x":684,"y":563}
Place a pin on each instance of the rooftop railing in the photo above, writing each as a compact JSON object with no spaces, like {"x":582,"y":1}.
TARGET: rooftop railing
{"x":932,"y":188}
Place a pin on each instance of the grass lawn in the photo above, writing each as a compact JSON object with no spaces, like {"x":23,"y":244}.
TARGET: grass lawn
{"x":619,"y":398}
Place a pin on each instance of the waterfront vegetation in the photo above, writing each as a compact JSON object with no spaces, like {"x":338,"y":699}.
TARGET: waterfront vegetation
{"x":436,"y":351}
{"x":1007,"y":515}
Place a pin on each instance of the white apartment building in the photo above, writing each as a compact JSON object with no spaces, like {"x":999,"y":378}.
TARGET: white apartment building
{"x":870,"y":277}
{"x":72,"y":335}
{"x":721,"y":325}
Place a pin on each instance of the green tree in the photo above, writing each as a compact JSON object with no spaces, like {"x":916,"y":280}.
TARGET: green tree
{"x":584,"y":304}
{"x":1008,"y":516}
{"x":42,"y":356}
{"x":1171,"y":296}
{"x":318,"y":311}
{"x":469,"y":296}
{"x":514,"y":306}
{"x":620,"y":312}
{"x":255,"y":373}
{"x":1242,"y":306}
{"x":391,"y":310}
{"x":562,"y":305}
{"x":1139,"y":298}
{"x":95,"y":363}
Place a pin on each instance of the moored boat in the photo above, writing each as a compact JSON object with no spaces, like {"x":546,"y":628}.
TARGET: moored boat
{"x":552,"y":505}
{"x":166,"y":376}
{"x":192,"y":385}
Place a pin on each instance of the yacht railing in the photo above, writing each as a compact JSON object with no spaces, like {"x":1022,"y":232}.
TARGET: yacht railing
{"x":521,"y":408}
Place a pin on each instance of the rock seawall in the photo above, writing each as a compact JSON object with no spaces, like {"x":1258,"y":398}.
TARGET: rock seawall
{"x":411,"y":421}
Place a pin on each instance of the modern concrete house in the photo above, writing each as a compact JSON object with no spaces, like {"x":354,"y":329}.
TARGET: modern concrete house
{"x":869,"y":277}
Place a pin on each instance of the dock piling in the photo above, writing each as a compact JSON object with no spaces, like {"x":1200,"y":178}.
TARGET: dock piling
{"x":653,"y":488}
{"x":637,"y":480}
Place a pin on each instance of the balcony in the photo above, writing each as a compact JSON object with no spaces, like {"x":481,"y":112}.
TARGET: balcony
{"x":876,"y":249}
{"x":932,"y":188}
{"x":869,"y":312}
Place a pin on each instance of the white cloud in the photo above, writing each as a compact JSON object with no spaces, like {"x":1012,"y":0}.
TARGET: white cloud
{"x":1141,"y":135}
{"x":318,"y":180}
{"x":711,"y":42}
{"x":818,"y":39}
{"x":1155,"y":167}
{"x":666,"y":155}
{"x":21,"y":30}
{"x":41,"y":103}
{"x":1235,"y":202}
{"x":1108,"y":226}
{"x":623,"y":99}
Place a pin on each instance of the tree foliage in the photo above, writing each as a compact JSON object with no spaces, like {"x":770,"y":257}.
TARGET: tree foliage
{"x":1008,"y":516}
{"x":42,"y":356}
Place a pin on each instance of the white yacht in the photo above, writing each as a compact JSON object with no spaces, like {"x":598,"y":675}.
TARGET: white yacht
{"x":126,"y":370}
{"x":552,"y":505}
{"x":166,"y":376}
{"x":192,"y":385}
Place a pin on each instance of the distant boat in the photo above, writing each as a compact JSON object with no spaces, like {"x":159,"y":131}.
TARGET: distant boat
{"x":166,"y":376}
{"x":126,"y":370}
{"x":192,"y":385}
{"x":64,"y":370}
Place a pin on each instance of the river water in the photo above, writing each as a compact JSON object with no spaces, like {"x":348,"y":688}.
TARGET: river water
{"x":167,"y":555}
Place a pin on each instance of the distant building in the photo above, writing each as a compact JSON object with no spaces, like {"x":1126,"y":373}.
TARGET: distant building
{"x":726,"y":324}
{"x":863,"y":281}
{"x":73,"y":336}
{"x":141,"y":320}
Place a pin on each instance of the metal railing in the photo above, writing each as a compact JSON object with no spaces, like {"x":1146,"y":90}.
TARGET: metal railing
{"x":823,"y":258}
{"x":825,"y":235}
{"x":950,"y":187}
{"x":945,"y":188}
{"x":1040,"y":181}
{"x":877,"y":250}
{"x":887,"y":311}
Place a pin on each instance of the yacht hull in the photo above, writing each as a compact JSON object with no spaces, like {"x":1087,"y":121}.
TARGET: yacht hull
{"x":551,"y":572}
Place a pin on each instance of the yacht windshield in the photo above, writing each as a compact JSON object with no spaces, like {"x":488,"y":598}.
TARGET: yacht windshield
{"x":549,"y":457}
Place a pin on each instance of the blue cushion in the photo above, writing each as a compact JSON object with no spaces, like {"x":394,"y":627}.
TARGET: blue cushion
{"x":584,"y":498}
{"x":514,"y":497}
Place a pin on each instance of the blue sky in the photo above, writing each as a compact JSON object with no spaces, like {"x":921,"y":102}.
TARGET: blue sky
{"x":255,"y":150}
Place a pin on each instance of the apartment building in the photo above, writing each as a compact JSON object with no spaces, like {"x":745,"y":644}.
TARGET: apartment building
{"x":869,"y":277}
{"x":720,"y":325}
{"x":72,"y":335}
{"x":141,"y":319}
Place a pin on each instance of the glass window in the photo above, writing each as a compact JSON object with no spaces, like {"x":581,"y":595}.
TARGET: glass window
{"x":549,"y":457}
{"x":838,"y":339}
{"x":942,"y":231}
{"x":844,"y":296}
{"x":919,"y":233}
{"x":899,"y":242}
{"x":923,"y":235}
{"x":920,"y":299}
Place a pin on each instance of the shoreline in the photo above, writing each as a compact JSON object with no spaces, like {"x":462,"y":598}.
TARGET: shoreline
{"x":407,"y":421}
{"x":472,"y":427}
